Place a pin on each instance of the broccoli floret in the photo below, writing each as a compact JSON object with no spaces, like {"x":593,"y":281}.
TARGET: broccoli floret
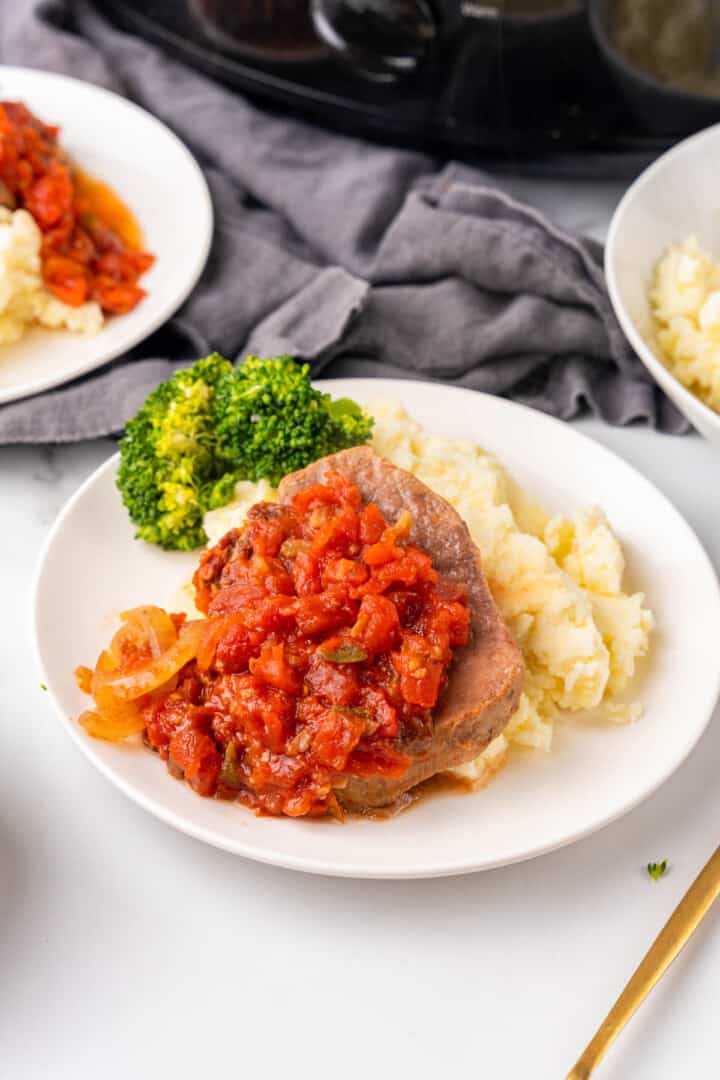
{"x":167,"y":457}
{"x":270,"y":420}
{"x":210,"y":426}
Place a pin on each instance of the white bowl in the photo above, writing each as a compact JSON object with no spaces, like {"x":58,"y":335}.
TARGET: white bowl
{"x":676,"y":197}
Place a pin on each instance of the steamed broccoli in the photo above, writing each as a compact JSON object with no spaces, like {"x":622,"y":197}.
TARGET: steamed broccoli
{"x":269,"y":420}
{"x":167,"y":456}
{"x":209,"y":426}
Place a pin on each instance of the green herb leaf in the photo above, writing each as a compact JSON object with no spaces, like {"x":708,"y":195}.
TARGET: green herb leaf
{"x":43,"y":686}
{"x":657,"y":869}
{"x":345,"y":653}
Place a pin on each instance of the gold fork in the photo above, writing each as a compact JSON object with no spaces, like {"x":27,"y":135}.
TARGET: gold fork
{"x":685,"y":919}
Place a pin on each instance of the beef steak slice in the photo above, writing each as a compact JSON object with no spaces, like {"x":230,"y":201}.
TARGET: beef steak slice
{"x":486,"y":675}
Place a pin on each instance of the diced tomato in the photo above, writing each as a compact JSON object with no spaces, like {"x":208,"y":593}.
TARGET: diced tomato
{"x":50,"y":198}
{"x":377,"y":625}
{"x":225,"y":645}
{"x":337,"y":533}
{"x":267,"y":528}
{"x":372,"y":524}
{"x":336,"y":684}
{"x":323,"y":612}
{"x":66,"y":278}
{"x":117,"y":266}
{"x":381,"y":553}
{"x":313,"y":495}
{"x":337,"y":735}
{"x":380,"y":709}
{"x":327,"y":643}
{"x":451,"y":619}
{"x":279,"y":771}
{"x":116,"y":299}
{"x":197,"y":756}
{"x":272,"y":668}
{"x":344,"y":571}
{"x":162,"y":718}
{"x":307,"y":574}
{"x":232,"y":599}
{"x":420,"y":674}
{"x":411,"y":568}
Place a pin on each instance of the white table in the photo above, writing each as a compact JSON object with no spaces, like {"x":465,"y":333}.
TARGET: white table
{"x":128,"y":950}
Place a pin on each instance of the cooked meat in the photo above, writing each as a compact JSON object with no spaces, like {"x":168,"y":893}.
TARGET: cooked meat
{"x":7,"y":199}
{"x":486,"y":676}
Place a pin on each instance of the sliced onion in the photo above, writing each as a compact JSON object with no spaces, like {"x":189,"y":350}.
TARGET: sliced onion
{"x":155,"y":624}
{"x":113,"y":726}
{"x":114,"y":687}
{"x":145,"y":629}
{"x":83,"y":678}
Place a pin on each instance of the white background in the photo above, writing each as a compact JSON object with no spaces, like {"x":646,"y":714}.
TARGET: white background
{"x":129,"y":950}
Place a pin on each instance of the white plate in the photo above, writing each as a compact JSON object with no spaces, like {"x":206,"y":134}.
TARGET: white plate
{"x":674,"y":198}
{"x":158,"y":178}
{"x":92,"y":568}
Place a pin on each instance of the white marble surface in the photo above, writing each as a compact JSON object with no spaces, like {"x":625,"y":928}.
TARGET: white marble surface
{"x":128,"y":950}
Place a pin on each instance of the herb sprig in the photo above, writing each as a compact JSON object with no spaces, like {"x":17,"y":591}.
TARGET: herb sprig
{"x":657,"y":869}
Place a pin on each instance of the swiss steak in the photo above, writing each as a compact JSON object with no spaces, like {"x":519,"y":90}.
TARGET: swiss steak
{"x":486,"y":675}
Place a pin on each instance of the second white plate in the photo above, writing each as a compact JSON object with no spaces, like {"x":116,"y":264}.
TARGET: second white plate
{"x":155,"y":174}
{"x":538,"y":801}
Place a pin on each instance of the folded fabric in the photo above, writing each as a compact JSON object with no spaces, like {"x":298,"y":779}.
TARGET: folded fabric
{"x":360,"y":259}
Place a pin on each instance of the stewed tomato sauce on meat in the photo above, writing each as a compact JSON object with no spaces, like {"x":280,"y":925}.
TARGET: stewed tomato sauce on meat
{"x":90,"y":246}
{"x":326,"y":646}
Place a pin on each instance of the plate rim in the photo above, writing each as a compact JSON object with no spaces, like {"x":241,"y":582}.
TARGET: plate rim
{"x":270,"y":856}
{"x":198,"y":254}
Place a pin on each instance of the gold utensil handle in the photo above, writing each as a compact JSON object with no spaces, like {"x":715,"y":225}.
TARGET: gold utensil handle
{"x":696,"y":902}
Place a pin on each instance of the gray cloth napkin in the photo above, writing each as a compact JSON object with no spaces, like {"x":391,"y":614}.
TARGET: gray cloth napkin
{"x":361,"y":259}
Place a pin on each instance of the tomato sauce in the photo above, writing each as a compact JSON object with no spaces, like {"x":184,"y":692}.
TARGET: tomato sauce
{"x":94,"y":196}
{"x":92,"y":245}
{"x":326,"y":646}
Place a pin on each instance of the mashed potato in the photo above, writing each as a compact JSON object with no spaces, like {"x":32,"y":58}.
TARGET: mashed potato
{"x":24,"y":300}
{"x":685,"y":300}
{"x":557,"y":581}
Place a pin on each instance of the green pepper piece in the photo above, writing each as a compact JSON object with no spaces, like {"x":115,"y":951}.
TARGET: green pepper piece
{"x":345,"y":653}
{"x":230,"y":774}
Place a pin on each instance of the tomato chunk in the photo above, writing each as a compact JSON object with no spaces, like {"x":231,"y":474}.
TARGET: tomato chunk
{"x":378,"y":624}
{"x":196,"y":755}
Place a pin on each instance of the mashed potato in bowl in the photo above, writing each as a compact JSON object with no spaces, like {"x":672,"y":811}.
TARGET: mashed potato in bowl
{"x":558,"y":581}
{"x":685,"y":301}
